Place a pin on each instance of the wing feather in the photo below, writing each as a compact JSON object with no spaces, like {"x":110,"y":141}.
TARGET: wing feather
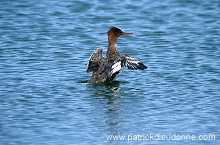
{"x":95,"y":60}
{"x":132,"y":63}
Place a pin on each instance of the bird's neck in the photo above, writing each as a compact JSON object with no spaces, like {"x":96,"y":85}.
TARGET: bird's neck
{"x":112,"y":52}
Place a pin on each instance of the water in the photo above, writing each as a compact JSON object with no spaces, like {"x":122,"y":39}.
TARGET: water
{"x":44,"y":49}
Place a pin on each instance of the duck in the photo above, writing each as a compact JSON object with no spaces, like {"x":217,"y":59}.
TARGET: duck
{"x":107,"y":68}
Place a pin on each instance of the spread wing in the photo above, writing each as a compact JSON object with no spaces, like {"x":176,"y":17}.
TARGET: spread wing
{"x":95,"y":60}
{"x":132,"y":63}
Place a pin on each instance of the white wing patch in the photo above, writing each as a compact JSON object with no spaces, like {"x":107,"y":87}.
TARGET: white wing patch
{"x":116,"y":67}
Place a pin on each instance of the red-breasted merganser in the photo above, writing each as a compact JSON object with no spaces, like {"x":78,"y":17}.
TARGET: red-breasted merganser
{"x":107,"y":69}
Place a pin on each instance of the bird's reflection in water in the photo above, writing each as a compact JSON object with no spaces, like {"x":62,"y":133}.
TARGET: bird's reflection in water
{"x":108,"y":95}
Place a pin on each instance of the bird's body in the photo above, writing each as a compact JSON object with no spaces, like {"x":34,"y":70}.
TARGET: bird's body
{"x":107,"y":69}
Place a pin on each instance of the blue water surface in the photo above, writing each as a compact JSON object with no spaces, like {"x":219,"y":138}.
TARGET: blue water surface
{"x":44,"y":49}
